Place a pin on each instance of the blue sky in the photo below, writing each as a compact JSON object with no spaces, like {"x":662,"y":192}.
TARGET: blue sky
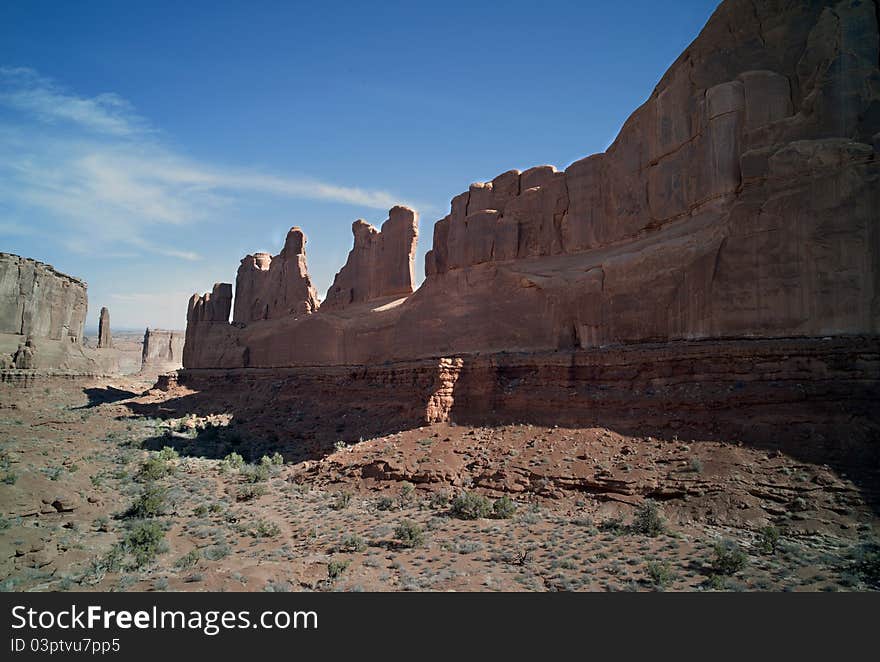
{"x":147,"y":147}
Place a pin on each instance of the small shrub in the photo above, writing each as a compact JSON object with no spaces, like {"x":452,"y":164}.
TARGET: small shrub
{"x":504,"y":508}
{"x":167,"y":454}
{"x":696,"y":465}
{"x":768,"y":540}
{"x":648,"y":520}
{"x":407,"y":492}
{"x":659,"y":574}
{"x":233,"y":462}
{"x":336,"y":568}
{"x":256,"y":473}
{"x":53,"y":473}
{"x":729,"y":559}
{"x":440,"y":499}
{"x":155,"y":468}
{"x":340,"y":445}
{"x":341,"y":501}
{"x":277,"y":459}
{"x":150,"y":503}
{"x":216,"y":552}
{"x":471,"y":506}
{"x":385,"y":503}
{"x":249,"y":492}
{"x":353,"y":543}
{"x":266,"y":529}
{"x":188,"y":560}
{"x":200,"y":510}
{"x":144,"y":542}
{"x":613,"y":525}
{"x":409,"y":534}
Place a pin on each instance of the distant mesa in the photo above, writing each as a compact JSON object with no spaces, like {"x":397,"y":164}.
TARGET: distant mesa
{"x":162,"y":351}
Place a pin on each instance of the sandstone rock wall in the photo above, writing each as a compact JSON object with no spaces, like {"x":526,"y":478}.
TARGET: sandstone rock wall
{"x":270,"y":287}
{"x":756,"y":390}
{"x":381,"y":262}
{"x":162,"y":350}
{"x":741,"y":200}
{"x":36,"y":300}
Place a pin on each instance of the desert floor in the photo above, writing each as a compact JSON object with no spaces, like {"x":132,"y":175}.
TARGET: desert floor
{"x":106,"y":485}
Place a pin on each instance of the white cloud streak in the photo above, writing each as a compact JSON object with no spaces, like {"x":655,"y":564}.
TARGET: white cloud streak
{"x":102,"y":172}
{"x":28,"y":92}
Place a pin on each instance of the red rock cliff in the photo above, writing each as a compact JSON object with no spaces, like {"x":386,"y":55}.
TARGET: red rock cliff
{"x":740,"y":200}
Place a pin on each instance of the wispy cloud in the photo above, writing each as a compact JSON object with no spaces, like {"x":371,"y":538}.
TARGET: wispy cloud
{"x":28,"y":92}
{"x":101,"y":173}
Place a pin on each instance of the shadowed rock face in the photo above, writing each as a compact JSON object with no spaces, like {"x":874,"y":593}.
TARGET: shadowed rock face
{"x":381,"y":262}
{"x":36,"y":300}
{"x":739,"y":201}
{"x":104,"y":339}
{"x":270,"y":287}
{"x":162,"y":350}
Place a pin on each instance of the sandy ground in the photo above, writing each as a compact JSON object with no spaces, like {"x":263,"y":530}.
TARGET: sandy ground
{"x":103,"y":487}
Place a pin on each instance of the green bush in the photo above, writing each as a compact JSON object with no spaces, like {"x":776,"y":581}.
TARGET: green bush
{"x":233,"y":462}
{"x":189,"y":559}
{"x":471,"y":506}
{"x":256,"y":473}
{"x":151,"y":503}
{"x":409,"y":534}
{"x":168,"y":454}
{"x":439,"y":499}
{"x":144,"y":542}
{"x":216,"y":552}
{"x":336,"y":568}
{"x":249,"y":492}
{"x":353,"y":543}
{"x":768,"y":540}
{"x":266,"y":529}
{"x":659,"y":574}
{"x":648,"y":520}
{"x":156,"y":468}
{"x":504,"y":508}
{"x":407,"y":492}
{"x":729,"y":559}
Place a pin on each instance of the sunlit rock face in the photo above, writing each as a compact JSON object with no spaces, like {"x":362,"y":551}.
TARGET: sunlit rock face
{"x":381,"y":262}
{"x":36,"y":300}
{"x":739,"y":201}
{"x":269,"y":287}
{"x":105,"y":340}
